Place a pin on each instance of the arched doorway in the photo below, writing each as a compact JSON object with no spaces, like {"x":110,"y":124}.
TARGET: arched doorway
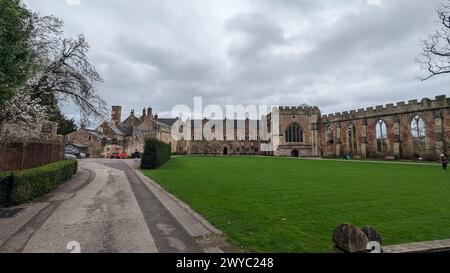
{"x":225,"y":151}
{"x":295,"y":153}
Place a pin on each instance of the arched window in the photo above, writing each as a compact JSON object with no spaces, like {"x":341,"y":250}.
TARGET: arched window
{"x":330,"y":135}
{"x":418,"y":130}
{"x":352,"y":138}
{"x":381,"y":131}
{"x":294,"y":134}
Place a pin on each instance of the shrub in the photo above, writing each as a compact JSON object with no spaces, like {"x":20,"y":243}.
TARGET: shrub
{"x":32,"y":183}
{"x":156,"y":153}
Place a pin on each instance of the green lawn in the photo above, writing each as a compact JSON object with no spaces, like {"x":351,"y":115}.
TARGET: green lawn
{"x":286,"y":205}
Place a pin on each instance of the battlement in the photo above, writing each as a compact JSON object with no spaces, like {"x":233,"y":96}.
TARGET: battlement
{"x":299,"y":110}
{"x":391,"y":109}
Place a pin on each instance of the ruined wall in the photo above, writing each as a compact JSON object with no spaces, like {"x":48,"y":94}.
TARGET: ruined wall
{"x":398,"y":118}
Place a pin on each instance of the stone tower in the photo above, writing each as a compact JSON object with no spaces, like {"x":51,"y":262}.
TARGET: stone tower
{"x":116,"y":115}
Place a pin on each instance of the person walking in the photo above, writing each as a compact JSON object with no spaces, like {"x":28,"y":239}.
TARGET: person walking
{"x":444,"y":161}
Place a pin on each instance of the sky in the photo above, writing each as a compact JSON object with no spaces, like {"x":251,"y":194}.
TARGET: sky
{"x":338,"y":55}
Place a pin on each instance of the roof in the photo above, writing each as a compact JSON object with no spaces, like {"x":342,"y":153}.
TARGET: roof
{"x":116,"y":130}
{"x":168,"y":121}
{"x":98,"y":135}
{"x":78,"y":145}
{"x":126,"y":128}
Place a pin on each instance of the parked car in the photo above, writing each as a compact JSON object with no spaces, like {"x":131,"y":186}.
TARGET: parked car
{"x":117,"y":155}
{"x":70,"y":157}
{"x":72,"y":151}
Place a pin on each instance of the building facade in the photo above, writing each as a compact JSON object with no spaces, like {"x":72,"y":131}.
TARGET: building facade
{"x":413,"y":130}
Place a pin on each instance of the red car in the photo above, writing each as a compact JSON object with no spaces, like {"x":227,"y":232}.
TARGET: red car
{"x":117,"y":155}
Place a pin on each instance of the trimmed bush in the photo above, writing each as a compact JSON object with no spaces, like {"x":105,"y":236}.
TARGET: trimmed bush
{"x":32,"y":183}
{"x":156,"y":153}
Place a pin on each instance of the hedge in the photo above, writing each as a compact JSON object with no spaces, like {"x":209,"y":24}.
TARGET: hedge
{"x":156,"y":153}
{"x":29,"y":184}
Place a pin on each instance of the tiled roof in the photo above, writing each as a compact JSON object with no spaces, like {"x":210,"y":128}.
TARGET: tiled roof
{"x":116,"y":130}
{"x":98,"y":135}
{"x":168,"y":121}
{"x":126,"y":128}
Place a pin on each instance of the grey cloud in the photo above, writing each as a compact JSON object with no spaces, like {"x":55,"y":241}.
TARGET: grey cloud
{"x":339,"y":55}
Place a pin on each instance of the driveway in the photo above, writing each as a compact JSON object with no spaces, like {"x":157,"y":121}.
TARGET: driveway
{"x":108,"y":206}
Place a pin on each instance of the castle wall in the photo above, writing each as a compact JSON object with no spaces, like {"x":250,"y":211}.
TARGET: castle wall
{"x":398,"y":118}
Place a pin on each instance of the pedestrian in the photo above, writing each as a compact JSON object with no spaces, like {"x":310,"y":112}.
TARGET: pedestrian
{"x":444,"y":161}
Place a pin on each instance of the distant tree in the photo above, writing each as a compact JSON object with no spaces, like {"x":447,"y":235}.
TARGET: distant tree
{"x":65,"y":125}
{"x":435,"y":58}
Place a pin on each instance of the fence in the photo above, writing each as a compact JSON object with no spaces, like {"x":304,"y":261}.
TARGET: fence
{"x":19,"y":156}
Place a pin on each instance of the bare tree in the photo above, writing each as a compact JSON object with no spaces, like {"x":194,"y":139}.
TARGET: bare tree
{"x":68,"y":75}
{"x":435,"y":58}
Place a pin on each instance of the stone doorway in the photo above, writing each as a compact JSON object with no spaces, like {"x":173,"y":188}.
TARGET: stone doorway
{"x":225,"y":151}
{"x":295,"y":153}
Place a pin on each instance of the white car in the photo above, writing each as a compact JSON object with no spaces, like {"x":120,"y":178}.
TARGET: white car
{"x":70,"y":157}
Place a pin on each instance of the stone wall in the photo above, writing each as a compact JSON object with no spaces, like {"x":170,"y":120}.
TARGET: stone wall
{"x":308,"y":119}
{"x":398,"y":118}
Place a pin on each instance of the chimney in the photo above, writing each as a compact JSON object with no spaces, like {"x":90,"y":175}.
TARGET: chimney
{"x":132,"y":112}
{"x":144,"y":113}
{"x":150,"y":112}
{"x":116,"y":115}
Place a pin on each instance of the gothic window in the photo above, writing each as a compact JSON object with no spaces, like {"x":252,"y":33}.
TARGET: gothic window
{"x":381,"y":131}
{"x":418,"y":130}
{"x":330,"y":135}
{"x":294,"y":134}
{"x":352,"y":138}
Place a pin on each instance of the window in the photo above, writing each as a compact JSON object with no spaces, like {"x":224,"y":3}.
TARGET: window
{"x":330,"y":135}
{"x":294,"y":134}
{"x":352,"y":138}
{"x":418,"y":130}
{"x":381,"y":135}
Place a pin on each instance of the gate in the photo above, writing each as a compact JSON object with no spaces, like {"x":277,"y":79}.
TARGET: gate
{"x":5,"y":189}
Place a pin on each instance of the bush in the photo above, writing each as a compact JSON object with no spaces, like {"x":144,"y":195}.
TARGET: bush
{"x":156,"y":153}
{"x":32,"y":183}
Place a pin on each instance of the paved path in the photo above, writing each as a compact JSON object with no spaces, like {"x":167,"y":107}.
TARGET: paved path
{"x":109,"y":207}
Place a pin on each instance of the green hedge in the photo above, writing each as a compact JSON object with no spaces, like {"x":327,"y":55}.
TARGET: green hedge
{"x":156,"y":153}
{"x":32,"y":183}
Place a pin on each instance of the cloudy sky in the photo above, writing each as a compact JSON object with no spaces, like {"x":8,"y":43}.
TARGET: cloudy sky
{"x":338,"y":55}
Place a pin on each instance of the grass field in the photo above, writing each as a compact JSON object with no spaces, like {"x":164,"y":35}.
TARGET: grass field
{"x":287,"y":205}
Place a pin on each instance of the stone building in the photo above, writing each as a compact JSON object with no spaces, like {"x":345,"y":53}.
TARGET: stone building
{"x":97,"y":143}
{"x":403,"y":131}
{"x":413,"y":130}
{"x":125,"y":136}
